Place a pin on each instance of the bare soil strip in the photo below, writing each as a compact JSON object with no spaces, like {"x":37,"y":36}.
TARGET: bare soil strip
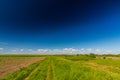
{"x":10,"y":64}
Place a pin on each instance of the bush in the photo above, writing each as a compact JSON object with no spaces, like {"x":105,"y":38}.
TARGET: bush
{"x":92,"y":55}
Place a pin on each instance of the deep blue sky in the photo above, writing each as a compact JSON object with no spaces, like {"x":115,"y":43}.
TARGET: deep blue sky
{"x":60,"y":23}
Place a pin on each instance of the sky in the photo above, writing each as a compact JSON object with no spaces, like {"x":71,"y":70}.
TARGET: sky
{"x":59,"y":24}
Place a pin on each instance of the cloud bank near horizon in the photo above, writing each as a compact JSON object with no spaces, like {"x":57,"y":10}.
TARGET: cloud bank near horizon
{"x":59,"y":51}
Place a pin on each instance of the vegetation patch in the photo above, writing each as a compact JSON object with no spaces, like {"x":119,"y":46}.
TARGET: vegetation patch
{"x":69,"y":67}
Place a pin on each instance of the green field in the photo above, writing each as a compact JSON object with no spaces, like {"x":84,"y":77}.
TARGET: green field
{"x":69,"y":67}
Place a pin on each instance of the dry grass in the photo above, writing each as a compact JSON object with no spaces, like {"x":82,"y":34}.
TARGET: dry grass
{"x":114,"y":58}
{"x":101,"y":66}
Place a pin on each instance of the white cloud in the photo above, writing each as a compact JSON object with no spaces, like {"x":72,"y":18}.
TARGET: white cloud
{"x":109,"y":51}
{"x":97,"y":50}
{"x":21,"y":50}
{"x":100,"y":51}
{"x":89,"y":50}
{"x":57,"y":51}
{"x":14,"y":50}
{"x":82,"y":49}
{"x":64,"y":51}
{"x":1,"y":49}
{"x":70,"y":50}
{"x":30,"y":50}
{"x":43,"y":50}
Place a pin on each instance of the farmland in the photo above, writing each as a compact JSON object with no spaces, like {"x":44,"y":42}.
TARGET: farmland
{"x":9,"y":64}
{"x":68,"y":67}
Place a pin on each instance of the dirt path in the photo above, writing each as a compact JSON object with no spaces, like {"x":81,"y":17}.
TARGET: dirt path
{"x":10,"y":64}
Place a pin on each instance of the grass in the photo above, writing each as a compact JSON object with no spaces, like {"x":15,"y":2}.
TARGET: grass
{"x":69,"y":67}
{"x":108,"y":62}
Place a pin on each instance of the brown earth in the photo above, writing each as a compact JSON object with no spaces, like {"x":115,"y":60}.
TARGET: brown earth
{"x":10,"y":64}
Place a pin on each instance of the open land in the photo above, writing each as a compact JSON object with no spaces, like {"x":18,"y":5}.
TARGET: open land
{"x":10,"y":64}
{"x":61,"y":67}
